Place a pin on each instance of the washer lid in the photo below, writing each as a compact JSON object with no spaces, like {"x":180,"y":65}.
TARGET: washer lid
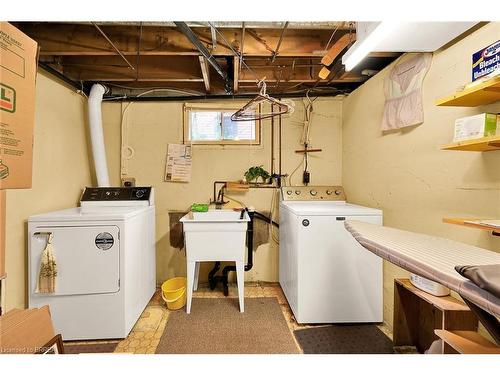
{"x":338,"y":208}
{"x":89,"y":214}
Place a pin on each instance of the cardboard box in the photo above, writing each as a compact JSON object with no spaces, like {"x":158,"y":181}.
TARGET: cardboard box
{"x":18,"y":65}
{"x":2,"y":233}
{"x":478,"y":126}
{"x":25,"y":331}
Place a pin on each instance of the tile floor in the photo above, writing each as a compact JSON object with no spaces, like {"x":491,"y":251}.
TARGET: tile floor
{"x":146,"y":334}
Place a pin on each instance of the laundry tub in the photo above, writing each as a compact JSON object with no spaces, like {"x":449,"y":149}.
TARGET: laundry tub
{"x":215,"y":235}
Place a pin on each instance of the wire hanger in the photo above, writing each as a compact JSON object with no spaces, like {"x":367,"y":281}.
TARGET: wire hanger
{"x":252,"y":110}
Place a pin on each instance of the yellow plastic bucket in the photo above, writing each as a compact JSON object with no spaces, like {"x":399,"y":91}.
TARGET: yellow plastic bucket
{"x":173,"y":292}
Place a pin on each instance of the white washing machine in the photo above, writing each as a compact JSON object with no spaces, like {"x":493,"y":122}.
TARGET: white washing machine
{"x":327,"y":277}
{"x":106,"y":267}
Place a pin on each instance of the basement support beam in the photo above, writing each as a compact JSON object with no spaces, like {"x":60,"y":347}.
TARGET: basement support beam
{"x":184,"y":28}
{"x":205,"y":72}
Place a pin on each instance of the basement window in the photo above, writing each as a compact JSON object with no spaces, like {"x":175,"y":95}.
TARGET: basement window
{"x":213,"y":126}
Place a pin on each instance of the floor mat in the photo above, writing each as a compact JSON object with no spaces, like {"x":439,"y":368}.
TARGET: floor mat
{"x":344,"y":339}
{"x":216,"y":325}
{"x":95,"y":347}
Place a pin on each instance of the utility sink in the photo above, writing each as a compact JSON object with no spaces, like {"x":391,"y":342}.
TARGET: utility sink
{"x":216,"y":235}
{"x":216,"y":216}
{"x":214,"y":229}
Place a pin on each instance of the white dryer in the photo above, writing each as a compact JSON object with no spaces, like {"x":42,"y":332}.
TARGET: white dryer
{"x":106,"y":267}
{"x":327,"y":277}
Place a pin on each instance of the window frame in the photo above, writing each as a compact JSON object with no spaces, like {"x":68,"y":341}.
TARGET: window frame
{"x":209,"y":107}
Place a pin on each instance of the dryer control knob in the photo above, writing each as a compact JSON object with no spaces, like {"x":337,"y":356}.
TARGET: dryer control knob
{"x":338,"y":192}
{"x":313,"y":192}
{"x":289,"y":192}
{"x":329,"y":192}
{"x":297,"y":192}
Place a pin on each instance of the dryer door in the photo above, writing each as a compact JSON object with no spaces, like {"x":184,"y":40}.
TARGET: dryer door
{"x":87,"y":258}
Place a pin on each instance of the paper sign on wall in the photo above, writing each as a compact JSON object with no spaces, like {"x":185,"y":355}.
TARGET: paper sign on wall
{"x":178,"y":168}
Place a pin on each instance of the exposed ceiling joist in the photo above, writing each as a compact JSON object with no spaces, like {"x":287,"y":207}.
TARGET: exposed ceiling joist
{"x":320,"y":25}
{"x":64,"y":39}
{"x":205,"y":72}
{"x":189,"y":59}
{"x":236,"y":74}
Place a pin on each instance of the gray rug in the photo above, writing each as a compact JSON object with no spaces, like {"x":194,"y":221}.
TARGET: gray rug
{"x":216,"y":325}
{"x":344,"y":339}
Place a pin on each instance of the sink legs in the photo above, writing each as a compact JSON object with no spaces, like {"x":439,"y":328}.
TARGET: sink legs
{"x":196,"y":275}
{"x":240,"y":278}
{"x":193,"y":270}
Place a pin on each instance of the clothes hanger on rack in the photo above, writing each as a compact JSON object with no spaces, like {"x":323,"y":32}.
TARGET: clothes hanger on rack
{"x":253,"y":109}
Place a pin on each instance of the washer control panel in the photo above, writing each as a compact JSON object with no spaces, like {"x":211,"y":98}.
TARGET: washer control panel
{"x":313,"y":193}
{"x":107,"y":194}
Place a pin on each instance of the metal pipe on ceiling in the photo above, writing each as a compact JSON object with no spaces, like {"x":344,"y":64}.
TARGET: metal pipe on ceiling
{"x":242,"y":51}
{"x":275,"y":53}
{"x":186,"y":30}
{"x":331,"y":93}
{"x":113,"y":45}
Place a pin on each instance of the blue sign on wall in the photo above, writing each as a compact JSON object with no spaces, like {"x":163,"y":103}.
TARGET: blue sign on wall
{"x":486,"y":61}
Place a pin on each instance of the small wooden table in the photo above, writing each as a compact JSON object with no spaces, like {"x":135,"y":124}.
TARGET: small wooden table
{"x":418,"y":314}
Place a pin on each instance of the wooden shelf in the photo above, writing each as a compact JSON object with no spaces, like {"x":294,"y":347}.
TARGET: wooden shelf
{"x":418,"y":314}
{"x":467,"y":342}
{"x":491,"y":143}
{"x":442,"y":303}
{"x":462,"y":221}
{"x":484,"y":93}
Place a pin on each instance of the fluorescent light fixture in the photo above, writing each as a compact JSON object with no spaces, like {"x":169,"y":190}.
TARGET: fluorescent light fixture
{"x":362,"y":48}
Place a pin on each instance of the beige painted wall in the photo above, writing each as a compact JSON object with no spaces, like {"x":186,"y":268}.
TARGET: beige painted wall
{"x":60,"y":170}
{"x":151,"y":126}
{"x":406,"y":174}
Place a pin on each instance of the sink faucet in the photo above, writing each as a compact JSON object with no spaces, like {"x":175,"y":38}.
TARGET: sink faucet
{"x":242,"y":214}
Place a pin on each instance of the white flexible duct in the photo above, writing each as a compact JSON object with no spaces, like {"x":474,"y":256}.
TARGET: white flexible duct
{"x":96,"y":134}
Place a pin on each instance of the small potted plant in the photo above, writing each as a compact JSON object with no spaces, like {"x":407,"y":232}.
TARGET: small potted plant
{"x":255,"y":173}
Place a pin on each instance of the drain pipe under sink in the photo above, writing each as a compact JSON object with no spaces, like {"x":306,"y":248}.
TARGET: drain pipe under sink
{"x":97,"y":135}
{"x":213,"y":279}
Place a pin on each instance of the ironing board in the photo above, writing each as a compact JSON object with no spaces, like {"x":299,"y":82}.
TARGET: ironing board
{"x":434,"y":258}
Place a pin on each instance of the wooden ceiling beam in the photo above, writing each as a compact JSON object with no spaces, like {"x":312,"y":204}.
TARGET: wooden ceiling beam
{"x":82,"y":39}
{"x":336,"y":50}
{"x":91,"y":68}
{"x":236,"y":73}
{"x":205,"y":72}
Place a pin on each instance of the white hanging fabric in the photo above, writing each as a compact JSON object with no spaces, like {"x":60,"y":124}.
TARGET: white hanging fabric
{"x":48,"y":270}
{"x":403,"y":92}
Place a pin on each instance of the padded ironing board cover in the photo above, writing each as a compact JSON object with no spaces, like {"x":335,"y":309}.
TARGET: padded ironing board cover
{"x":434,"y":258}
